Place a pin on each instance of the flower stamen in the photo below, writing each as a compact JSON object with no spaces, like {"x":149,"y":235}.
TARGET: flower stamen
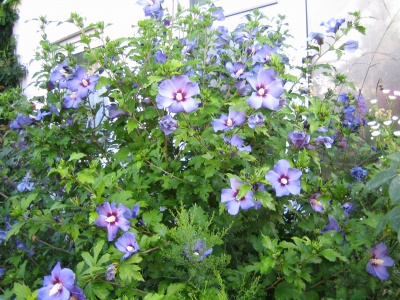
{"x":179,"y":96}
{"x":55,"y":289}
{"x":239,"y":72}
{"x":376,"y":261}
{"x":111,"y":219}
{"x":85,"y":83}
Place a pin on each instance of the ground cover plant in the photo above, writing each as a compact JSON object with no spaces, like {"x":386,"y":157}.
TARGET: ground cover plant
{"x":190,"y":161}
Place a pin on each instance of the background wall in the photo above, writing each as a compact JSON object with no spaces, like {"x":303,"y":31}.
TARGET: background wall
{"x":364,"y":67}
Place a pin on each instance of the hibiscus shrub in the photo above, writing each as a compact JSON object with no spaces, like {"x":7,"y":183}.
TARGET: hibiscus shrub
{"x":193,"y":161}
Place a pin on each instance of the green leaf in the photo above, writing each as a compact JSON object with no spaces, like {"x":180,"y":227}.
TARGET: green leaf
{"x":394,"y":190}
{"x":14,"y":229}
{"x":286,"y":291}
{"x":76,"y":156}
{"x":152,"y":79}
{"x":128,"y":273}
{"x":380,"y":179}
{"x":88,"y":259}
{"x":93,"y":216}
{"x":85,"y":176}
{"x":104,"y":259}
{"x":101,"y":291}
{"x":103,"y":81}
{"x":97,"y":249}
{"x":393,"y":217}
{"x":131,"y":125}
{"x":21,"y":291}
{"x":331,"y":255}
{"x":58,"y":205}
{"x":243,"y":190}
{"x":122,"y":154}
{"x":267,"y":263}
{"x":304,"y":159}
{"x":62,"y":171}
{"x":174,"y":288}
{"x":27,"y":201}
{"x":152,"y":296}
{"x":265,"y":199}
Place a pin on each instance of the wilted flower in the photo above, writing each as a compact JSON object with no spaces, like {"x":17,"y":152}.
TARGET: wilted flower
{"x":197,"y":253}
{"x":284,"y":180}
{"x":344,"y":98}
{"x":60,"y":74}
{"x":333,"y":225}
{"x":316,"y":205}
{"x":333,"y":24}
{"x":127,"y":244}
{"x":224,"y":123}
{"x":3,"y":234}
{"x":267,"y":89}
{"x":168,"y":124}
{"x":326,"y":140}
{"x":81,"y":83}
{"x":236,"y":70}
{"x":113,"y":218}
{"x":133,"y":212}
{"x":40,"y":115}
{"x":25,"y":185}
{"x":300,"y":140}
{"x":263,"y":55}
{"x":218,"y":13}
{"x":350,"y":46}
{"x":188,"y":46}
{"x":229,"y":196}
{"x":77,"y":293}
{"x":317,"y":36}
{"x":114,"y":112}
{"x":160,"y":57}
{"x":242,"y":88}
{"x":152,"y":8}
{"x":22,"y":246}
{"x":223,"y":37}
{"x":58,"y":285}
{"x":237,"y":142}
{"x":21,"y":121}
{"x":256,"y":120}
{"x":54,"y":110}
{"x":176,"y":94}
{"x":358,"y":173}
{"x":347,"y":208}
{"x":379,"y":261}
{"x":241,"y":34}
{"x":111,"y":272}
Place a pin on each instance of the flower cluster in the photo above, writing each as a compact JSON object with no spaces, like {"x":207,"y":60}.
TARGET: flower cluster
{"x":77,"y":82}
